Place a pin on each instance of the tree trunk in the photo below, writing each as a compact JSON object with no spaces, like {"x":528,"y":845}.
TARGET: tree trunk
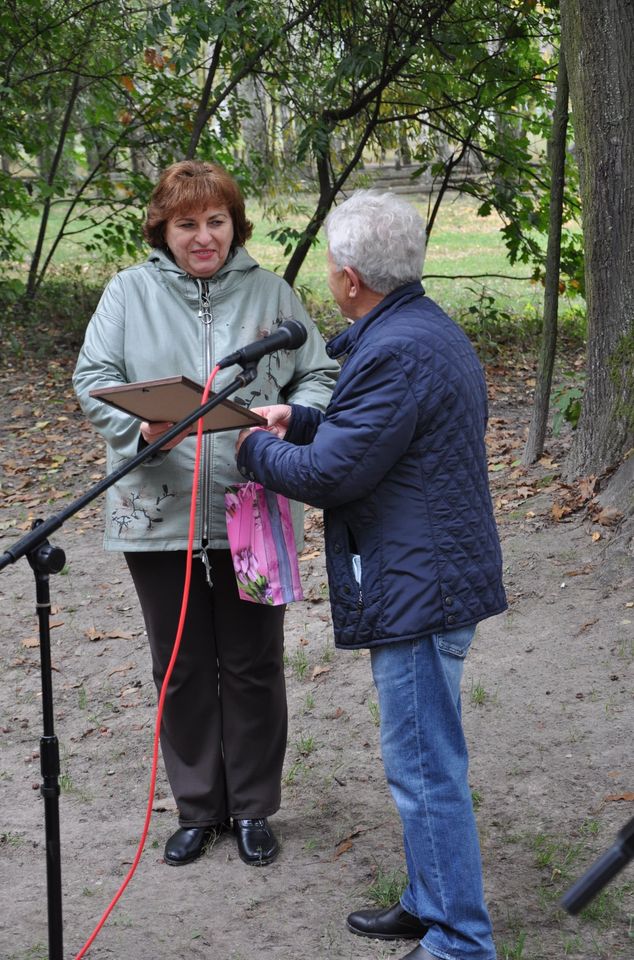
{"x":327,"y":194}
{"x":33,"y":279}
{"x":328,"y":190}
{"x":598,"y":43}
{"x":537,"y":430}
{"x":255,"y":126}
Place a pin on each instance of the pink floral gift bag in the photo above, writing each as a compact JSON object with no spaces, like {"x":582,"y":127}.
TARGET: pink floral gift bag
{"x":260,"y":532}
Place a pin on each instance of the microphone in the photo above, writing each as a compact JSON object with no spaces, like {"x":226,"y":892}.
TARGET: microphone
{"x":289,"y":336}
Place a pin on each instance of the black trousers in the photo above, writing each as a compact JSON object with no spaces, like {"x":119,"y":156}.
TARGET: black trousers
{"x":224,"y":730}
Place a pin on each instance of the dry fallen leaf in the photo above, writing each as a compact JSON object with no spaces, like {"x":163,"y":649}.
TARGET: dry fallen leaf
{"x":346,"y":844}
{"x":31,"y":642}
{"x":616,"y":797}
{"x":608,"y":517}
{"x":309,"y":556}
{"x":560,"y":510}
{"x":317,"y":672}
{"x":587,"y":487}
{"x":342,"y":847}
{"x":122,"y":669}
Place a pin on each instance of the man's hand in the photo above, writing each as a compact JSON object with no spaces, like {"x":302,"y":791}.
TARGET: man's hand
{"x":278,"y":418}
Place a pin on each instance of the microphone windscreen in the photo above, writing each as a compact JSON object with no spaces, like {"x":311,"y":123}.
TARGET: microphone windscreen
{"x":297,"y":333}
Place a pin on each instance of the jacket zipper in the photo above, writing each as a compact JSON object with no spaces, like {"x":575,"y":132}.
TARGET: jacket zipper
{"x":356,"y":573}
{"x":205,"y":315}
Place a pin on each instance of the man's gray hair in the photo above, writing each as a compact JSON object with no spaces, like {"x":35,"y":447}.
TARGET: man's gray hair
{"x":381,"y":236}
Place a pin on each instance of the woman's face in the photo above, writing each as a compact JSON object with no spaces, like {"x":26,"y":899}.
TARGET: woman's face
{"x":200,"y":241}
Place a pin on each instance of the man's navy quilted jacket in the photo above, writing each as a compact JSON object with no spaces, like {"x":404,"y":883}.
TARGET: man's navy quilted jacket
{"x":398,"y":463}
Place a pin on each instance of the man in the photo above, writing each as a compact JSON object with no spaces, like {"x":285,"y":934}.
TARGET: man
{"x":398,"y":463}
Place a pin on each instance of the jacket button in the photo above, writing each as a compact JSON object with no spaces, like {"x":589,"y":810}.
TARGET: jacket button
{"x":448,"y":601}
{"x":451,"y":618}
{"x":337,"y":548}
{"x":346,"y":588}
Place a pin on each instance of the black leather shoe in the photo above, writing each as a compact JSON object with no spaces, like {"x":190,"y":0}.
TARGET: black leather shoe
{"x":189,"y":843}
{"x":257,"y":844}
{"x":419,"y":953}
{"x":390,"y":923}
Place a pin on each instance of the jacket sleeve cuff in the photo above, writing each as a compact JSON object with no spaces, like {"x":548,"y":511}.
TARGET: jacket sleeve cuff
{"x":243,"y":460}
{"x":156,"y":458}
{"x":303,"y":424}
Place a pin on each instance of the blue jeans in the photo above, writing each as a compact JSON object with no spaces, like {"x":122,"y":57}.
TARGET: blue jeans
{"x":426,"y":764}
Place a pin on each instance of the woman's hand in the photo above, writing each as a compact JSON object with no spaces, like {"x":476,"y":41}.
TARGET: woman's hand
{"x":278,"y":418}
{"x":153,"y":431}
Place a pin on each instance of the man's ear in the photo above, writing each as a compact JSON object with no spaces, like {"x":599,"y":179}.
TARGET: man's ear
{"x":354,"y":281}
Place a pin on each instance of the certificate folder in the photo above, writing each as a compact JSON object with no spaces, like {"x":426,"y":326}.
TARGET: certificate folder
{"x":173,"y":398}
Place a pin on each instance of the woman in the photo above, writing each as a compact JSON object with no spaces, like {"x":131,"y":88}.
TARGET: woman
{"x":196,"y":299}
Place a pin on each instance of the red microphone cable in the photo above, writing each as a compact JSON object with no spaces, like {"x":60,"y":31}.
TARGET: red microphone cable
{"x":164,"y":685}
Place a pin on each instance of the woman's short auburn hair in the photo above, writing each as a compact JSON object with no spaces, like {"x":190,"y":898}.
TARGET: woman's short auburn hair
{"x":190,"y":186}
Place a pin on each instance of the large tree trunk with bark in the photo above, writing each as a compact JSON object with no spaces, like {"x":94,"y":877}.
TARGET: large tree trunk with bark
{"x":598,"y":44}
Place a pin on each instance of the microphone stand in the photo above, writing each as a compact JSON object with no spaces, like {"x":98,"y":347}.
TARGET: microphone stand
{"x":601,"y":871}
{"x":46,"y":559}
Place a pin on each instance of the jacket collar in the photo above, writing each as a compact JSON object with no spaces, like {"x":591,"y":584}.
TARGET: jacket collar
{"x":231,"y":272}
{"x":346,"y":341}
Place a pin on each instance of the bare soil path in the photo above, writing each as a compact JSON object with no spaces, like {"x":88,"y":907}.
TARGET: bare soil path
{"x":547,"y":704}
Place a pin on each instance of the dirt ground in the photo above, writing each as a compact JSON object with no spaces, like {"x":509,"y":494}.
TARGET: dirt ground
{"x":547,"y":709}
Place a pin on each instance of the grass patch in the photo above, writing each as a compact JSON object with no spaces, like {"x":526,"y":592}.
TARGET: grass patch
{"x":298,"y":662}
{"x":38,"y":951}
{"x":565,"y":860}
{"x":375,"y":713}
{"x":558,"y":856}
{"x":295,"y":771}
{"x":514,"y":951}
{"x":478,"y":695}
{"x":12,"y":839}
{"x":305,"y":745}
{"x":387,"y":886}
{"x":607,"y":907}
{"x":493,"y":310}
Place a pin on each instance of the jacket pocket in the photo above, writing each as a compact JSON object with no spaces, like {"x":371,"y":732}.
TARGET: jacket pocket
{"x":455,"y":642}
